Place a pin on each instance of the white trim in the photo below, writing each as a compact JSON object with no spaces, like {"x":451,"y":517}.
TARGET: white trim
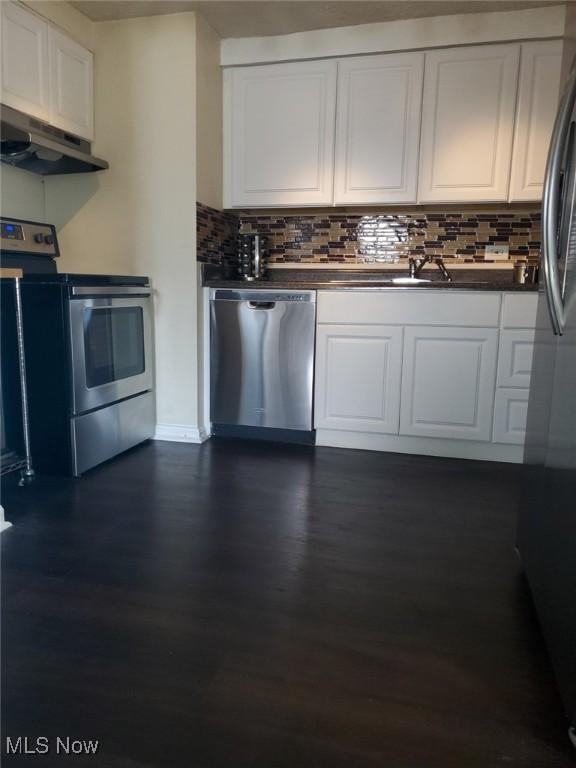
{"x":427,"y":446}
{"x":205,"y":405}
{"x":180,"y":433}
{"x":408,"y":34}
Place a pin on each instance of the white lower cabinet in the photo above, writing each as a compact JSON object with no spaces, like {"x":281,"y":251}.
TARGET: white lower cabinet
{"x":448,"y":382}
{"x":510,"y":412}
{"x":358,"y":374}
{"x":441,"y":373}
{"x":515,"y":358}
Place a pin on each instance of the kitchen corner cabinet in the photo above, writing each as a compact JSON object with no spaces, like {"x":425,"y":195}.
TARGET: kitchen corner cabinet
{"x":468,"y":123}
{"x":378,"y":128}
{"x":279,"y":134}
{"x":358,"y":376}
{"x":538,"y":93}
{"x":45,"y":73}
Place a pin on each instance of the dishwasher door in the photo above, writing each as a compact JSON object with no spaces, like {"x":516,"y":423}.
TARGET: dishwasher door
{"x":262,"y":358}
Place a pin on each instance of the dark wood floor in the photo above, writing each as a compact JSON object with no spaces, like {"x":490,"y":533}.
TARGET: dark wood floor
{"x":241,"y":604}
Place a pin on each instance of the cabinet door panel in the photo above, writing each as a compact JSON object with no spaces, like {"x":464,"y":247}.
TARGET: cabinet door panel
{"x":510,"y":413}
{"x":467,"y":123}
{"x":515,"y":358}
{"x":25,"y":61}
{"x":279,"y":134}
{"x":448,"y":382}
{"x":358,"y":372}
{"x":537,"y":103}
{"x":378,"y":128}
{"x":71,"y":71}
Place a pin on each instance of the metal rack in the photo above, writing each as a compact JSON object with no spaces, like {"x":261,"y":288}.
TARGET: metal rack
{"x":10,"y":461}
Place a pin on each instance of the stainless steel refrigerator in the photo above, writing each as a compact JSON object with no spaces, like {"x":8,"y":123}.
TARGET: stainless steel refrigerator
{"x":547,"y":524}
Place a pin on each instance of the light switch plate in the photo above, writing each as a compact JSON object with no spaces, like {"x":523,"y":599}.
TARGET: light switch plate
{"x":497,"y":251}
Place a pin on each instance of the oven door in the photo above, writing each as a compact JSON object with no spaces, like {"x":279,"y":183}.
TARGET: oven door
{"x":111,"y":347}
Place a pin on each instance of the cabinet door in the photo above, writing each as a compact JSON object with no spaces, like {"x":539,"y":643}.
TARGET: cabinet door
{"x":378,"y":128}
{"x":358,"y":370}
{"x":448,"y":379}
{"x":515,"y":358}
{"x":537,"y":103}
{"x":279,"y":134}
{"x":467,"y":123}
{"x":71,"y":75}
{"x":25,"y":61}
{"x":510,"y":414}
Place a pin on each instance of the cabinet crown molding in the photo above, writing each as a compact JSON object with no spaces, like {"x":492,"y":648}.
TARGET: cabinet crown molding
{"x":396,"y":36}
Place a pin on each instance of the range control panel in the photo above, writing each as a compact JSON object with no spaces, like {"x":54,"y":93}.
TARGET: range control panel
{"x":28,"y":237}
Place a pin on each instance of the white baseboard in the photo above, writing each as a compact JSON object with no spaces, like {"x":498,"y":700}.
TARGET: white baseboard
{"x":425,"y":446}
{"x":180,"y":433}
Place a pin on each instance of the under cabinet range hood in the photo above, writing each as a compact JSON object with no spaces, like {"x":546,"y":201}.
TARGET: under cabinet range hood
{"x":28,"y":143}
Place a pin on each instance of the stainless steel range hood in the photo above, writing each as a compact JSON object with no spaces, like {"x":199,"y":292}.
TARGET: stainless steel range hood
{"x":28,"y":143}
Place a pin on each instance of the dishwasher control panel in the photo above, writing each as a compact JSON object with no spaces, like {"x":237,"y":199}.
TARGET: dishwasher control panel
{"x":262,"y":295}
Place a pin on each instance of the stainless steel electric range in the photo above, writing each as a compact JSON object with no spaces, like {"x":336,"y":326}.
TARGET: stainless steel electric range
{"x":89,"y":354}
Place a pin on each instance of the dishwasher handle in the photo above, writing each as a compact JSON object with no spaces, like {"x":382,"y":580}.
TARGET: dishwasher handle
{"x":261,"y":304}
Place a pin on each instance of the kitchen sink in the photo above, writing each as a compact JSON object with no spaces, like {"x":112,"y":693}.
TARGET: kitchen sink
{"x":379,"y":280}
{"x":409,"y":280}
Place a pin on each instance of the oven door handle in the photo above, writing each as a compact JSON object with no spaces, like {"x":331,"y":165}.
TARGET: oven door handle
{"x":114,"y":291}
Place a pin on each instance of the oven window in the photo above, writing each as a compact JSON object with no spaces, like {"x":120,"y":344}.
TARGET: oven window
{"x":113,"y":344}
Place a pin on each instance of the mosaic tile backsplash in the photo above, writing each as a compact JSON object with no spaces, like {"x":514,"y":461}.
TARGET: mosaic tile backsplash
{"x":216,"y":233}
{"x":348,"y":237}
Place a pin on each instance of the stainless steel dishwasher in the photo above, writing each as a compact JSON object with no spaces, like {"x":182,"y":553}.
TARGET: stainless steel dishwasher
{"x":262,"y":363}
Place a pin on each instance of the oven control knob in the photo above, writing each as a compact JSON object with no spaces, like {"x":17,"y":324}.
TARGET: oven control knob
{"x":39,"y":238}
{"x":49,"y":239}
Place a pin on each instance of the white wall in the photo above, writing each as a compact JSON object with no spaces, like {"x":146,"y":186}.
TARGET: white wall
{"x":410,"y":34}
{"x":209,"y":171}
{"x":139,"y":217}
{"x":21,"y":194}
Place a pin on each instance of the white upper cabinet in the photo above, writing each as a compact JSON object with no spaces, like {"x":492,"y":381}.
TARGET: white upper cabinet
{"x":45,"y":73}
{"x":279,"y":134}
{"x":467,"y":123}
{"x":538,"y":92}
{"x":378,"y":128}
{"x":71,"y":70}
{"x":25,"y":84}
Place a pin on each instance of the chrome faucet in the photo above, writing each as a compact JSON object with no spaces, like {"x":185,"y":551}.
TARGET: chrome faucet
{"x":415,"y":266}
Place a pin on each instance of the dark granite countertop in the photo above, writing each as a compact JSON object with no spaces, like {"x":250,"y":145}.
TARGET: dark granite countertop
{"x":468,"y":280}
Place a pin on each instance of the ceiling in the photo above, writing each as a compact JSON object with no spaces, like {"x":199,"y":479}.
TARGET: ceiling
{"x":255,"y":18}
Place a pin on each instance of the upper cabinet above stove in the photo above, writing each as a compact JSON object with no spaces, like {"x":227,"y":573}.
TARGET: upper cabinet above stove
{"x":45,"y":73}
{"x":468,"y":124}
